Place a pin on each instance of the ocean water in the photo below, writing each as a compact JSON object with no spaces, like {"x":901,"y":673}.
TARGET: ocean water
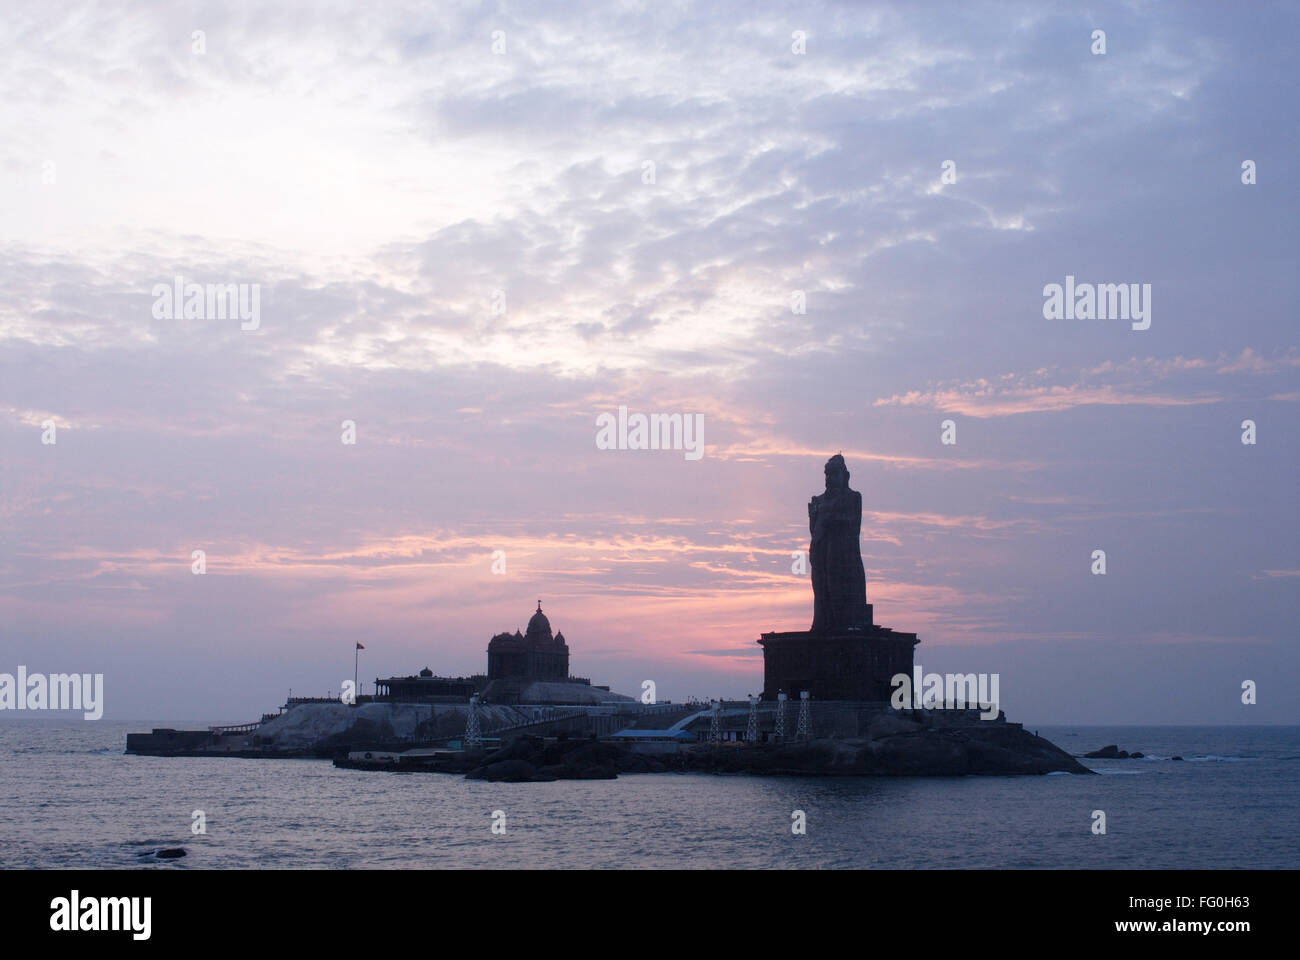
{"x":70,"y":798}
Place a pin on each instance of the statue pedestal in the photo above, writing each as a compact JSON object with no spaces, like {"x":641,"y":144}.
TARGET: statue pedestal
{"x":848,"y":665}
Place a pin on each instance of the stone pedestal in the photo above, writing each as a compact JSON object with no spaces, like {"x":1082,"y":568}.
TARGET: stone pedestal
{"x":853,"y":665}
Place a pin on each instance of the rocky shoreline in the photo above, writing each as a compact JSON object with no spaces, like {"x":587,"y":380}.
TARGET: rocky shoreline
{"x":850,"y":739}
{"x":995,"y":749}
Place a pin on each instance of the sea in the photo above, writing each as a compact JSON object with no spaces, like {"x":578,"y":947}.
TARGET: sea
{"x":70,"y":798}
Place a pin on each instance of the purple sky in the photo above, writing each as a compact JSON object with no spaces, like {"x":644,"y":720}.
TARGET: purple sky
{"x":382,"y":175}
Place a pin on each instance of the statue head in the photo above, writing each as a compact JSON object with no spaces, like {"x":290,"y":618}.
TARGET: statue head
{"x":837,"y":473}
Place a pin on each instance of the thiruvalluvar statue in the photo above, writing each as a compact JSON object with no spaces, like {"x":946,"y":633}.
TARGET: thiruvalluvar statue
{"x":838,"y":579}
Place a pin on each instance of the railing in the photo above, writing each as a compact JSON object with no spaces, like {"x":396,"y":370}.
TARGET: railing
{"x":654,"y":708}
{"x":537,"y":722}
{"x":234,"y":728}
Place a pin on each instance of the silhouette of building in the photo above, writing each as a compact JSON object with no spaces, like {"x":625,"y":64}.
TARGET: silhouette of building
{"x":533,"y":655}
{"x":427,"y":688}
{"x":529,"y":667}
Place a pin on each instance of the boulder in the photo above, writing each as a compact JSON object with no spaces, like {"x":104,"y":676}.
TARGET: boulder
{"x":888,"y":725}
{"x":599,"y":772}
{"x":505,"y":771}
{"x":922,"y":755}
{"x":1109,"y":752}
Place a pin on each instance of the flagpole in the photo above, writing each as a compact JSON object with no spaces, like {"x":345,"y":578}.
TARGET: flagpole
{"x":356,"y":658}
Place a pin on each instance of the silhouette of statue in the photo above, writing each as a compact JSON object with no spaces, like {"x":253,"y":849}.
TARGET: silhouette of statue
{"x":838,"y":579}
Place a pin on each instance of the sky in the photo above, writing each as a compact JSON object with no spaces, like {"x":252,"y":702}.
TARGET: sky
{"x":476,"y":228}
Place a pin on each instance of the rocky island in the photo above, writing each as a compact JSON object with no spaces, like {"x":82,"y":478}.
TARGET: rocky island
{"x":838,"y":700}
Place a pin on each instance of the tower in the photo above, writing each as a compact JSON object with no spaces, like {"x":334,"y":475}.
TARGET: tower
{"x":473,"y":736}
{"x":804,"y":731}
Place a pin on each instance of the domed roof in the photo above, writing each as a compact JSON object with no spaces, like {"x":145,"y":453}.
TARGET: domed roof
{"x":539,"y":628}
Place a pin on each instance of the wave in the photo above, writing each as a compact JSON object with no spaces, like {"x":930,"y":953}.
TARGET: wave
{"x":1216,"y":758}
{"x":1208,"y":758}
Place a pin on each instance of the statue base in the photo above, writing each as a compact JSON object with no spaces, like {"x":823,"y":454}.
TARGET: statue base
{"x":842,"y":665}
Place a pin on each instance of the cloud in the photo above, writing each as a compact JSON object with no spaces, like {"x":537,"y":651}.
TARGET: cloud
{"x":463,"y":253}
{"x":1010,"y":394}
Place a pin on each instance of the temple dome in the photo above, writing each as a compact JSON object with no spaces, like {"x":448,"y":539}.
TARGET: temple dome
{"x":539,"y":628}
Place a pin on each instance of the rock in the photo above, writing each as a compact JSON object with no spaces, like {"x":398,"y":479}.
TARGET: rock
{"x":640,"y":763}
{"x":896,"y":746}
{"x":1108,"y":752}
{"x":888,"y":725}
{"x":922,"y":755}
{"x":165,"y":853}
{"x":958,"y":749}
{"x":603,"y":772}
{"x":999,"y":748}
{"x":1136,"y":756}
{"x":504,"y":771}
{"x":531,"y":759}
{"x":1175,"y":758}
{"x":818,"y":757}
{"x":329,"y":729}
{"x":988,"y":756}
